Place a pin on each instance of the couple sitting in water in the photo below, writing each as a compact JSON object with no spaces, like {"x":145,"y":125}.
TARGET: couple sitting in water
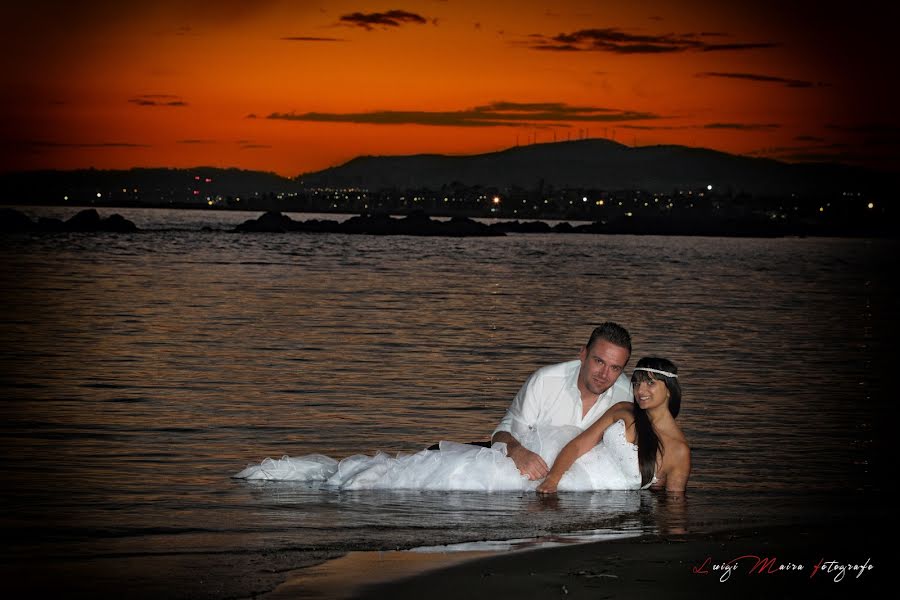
{"x":582,"y":417}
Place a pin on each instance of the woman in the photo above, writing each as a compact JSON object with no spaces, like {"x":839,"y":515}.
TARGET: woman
{"x":606,"y":454}
{"x":663,"y":454}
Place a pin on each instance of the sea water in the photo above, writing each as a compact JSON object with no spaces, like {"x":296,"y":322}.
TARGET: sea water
{"x":138,"y":372}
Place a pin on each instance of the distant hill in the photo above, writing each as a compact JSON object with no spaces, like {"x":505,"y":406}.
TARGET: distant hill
{"x":149,"y":184}
{"x":600,"y":164}
{"x":595,"y":164}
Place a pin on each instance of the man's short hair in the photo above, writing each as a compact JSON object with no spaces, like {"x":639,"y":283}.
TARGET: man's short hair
{"x":612,"y":333}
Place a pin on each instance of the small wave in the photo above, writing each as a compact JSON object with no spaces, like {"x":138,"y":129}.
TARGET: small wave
{"x":128,"y":400}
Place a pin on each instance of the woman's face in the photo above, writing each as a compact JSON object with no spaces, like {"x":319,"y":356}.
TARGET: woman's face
{"x":651,"y":393}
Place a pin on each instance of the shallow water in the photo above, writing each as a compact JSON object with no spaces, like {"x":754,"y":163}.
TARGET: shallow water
{"x":139,"y":371}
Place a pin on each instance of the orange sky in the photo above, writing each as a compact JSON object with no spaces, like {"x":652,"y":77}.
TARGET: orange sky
{"x":294,"y":86}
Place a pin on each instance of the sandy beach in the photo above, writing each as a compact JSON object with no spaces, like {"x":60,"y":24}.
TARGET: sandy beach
{"x":818,"y":560}
{"x":796,"y":561}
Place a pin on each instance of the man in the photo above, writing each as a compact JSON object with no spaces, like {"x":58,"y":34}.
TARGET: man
{"x":575,"y":393}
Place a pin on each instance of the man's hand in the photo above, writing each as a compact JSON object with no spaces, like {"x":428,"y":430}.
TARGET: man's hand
{"x":531,"y":465}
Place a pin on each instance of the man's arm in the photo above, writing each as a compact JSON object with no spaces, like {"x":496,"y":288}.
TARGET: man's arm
{"x":530,"y":464}
{"x":523,"y":412}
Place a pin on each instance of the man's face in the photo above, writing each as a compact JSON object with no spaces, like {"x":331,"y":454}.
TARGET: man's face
{"x":601,"y":365}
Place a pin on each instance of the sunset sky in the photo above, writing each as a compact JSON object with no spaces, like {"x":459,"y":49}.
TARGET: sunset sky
{"x":297,"y":86}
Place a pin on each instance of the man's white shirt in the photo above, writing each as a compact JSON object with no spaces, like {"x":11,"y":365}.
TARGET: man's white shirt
{"x":551,"y":397}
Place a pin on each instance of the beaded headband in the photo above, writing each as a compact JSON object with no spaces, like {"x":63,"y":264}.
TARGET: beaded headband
{"x":666,"y":373}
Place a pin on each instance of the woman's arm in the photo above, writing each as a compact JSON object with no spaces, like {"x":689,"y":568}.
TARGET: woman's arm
{"x":586,"y":440}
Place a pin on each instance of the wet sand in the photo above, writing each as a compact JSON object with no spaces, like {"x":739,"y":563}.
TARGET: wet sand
{"x":838,"y":559}
{"x":797,"y":562}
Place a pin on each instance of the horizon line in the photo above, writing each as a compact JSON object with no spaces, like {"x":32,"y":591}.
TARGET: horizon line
{"x":751,"y":156}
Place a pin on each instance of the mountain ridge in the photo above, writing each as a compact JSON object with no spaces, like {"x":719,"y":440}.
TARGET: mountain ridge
{"x":593,"y":164}
{"x":600,"y":164}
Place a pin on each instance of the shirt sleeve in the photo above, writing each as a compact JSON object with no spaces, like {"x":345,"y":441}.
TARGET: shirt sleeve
{"x":525,"y":408}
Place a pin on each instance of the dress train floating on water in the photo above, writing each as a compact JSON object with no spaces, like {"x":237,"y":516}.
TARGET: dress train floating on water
{"x":611,"y":465}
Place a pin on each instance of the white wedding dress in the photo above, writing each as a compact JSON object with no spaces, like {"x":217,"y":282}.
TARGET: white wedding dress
{"x":610,"y":465}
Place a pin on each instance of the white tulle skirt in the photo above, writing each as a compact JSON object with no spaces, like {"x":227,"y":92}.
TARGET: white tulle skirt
{"x":611,"y":465}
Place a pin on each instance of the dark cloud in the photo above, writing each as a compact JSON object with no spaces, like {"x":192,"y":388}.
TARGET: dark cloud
{"x":735,"y":126}
{"x":311,"y":39}
{"x":890,"y":140}
{"x":46,"y":144}
{"x":391,"y":18}
{"x":811,"y":156}
{"x":251,"y":144}
{"x":853,"y":149}
{"x":842,"y":153}
{"x":869,"y":160}
{"x":620,"y":42}
{"x":656,"y":127}
{"x":748,"y":46}
{"x":794,"y":83}
{"x":870,"y":128}
{"x":497,"y":114}
{"x":879,"y":137}
{"x":779,"y":150}
{"x":158,"y":100}
{"x":88,"y":17}
{"x":743,"y":126}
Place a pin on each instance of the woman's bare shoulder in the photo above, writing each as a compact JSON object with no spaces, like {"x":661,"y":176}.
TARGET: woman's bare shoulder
{"x":676,"y":452}
{"x":676,"y":464}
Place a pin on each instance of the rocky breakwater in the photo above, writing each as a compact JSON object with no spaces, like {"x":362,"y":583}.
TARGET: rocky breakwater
{"x":89,"y":220}
{"x":417,"y":224}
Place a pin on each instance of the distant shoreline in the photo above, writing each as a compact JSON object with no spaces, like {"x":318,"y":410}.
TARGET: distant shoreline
{"x":419,"y":222}
{"x":650,"y":566}
{"x":664,"y":565}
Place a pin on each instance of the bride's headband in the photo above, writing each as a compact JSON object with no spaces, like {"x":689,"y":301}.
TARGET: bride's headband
{"x":666,"y":373}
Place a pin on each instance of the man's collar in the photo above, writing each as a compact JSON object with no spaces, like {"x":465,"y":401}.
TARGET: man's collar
{"x":572,"y":381}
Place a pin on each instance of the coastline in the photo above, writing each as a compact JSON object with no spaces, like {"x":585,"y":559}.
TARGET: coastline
{"x":418,"y":222}
{"x":820,"y":559}
{"x":648,"y":566}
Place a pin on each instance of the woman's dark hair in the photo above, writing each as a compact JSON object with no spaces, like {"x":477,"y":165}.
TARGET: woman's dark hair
{"x":647,"y":440}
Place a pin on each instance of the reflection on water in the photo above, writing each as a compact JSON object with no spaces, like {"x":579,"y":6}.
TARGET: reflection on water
{"x":140,"y":371}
